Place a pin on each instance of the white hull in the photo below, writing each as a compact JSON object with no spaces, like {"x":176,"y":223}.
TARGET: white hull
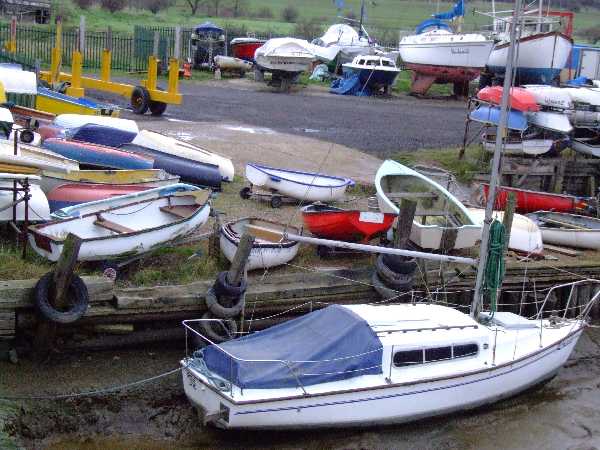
{"x":69,"y":121}
{"x":582,"y":146}
{"x":309,"y":187}
{"x":447,"y":50}
{"x":151,"y":228}
{"x":264,"y":254}
{"x":588,"y":239}
{"x":285,"y":63}
{"x":429,"y":235}
{"x":37,"y":157}
{"x":544,"y":51}
{"x":532,"y":147}
{"x":231,"y":63}
{"x":554,"y":121}
{"x":38,"y":209}
{"x":176,"y":147}
{"x":525,"y":235}
{"x":285,"y":55}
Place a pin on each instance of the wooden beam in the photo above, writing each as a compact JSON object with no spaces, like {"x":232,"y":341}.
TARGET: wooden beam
{"x":507,"y":218}
{"x":405,"y":223}
{"x":238,"y":265}
{"x":63,"y":271}
{"x":562,"y":250}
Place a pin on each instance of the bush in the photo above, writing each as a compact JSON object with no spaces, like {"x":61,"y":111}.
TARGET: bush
{"x":289,"y":14}
{"x":84,"y":4}
{"x":154,"y":6}
{"x":112,"y":5}
{"x":308,"y":29}
{"x":264,"y":13}
{"x":591,"y":34}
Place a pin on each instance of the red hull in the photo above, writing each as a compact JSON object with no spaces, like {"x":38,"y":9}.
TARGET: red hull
{"x":89,"y":192}
{"x":446,"y":74}
{"x":531,"y":201}
{"x":347,"y":226}
{"x":520,"y":99}
{"x":245,"y":50}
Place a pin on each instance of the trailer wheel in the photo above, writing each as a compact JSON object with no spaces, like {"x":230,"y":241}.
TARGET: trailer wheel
{"x":246,"y":193}
{"x":276,"y":201}
{"x":157,"y":108}
{"x":140,"y":100}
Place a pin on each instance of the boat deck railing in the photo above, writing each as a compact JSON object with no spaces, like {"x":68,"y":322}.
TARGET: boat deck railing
{"x":573,"y":307}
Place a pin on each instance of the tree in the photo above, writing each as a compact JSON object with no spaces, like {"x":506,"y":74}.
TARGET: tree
{"x":289,"y":14}
{"x":113,"y":5}
{"x":84,"y":4}
{"x":154,"y":6}
{"x":194,"y":5}
{"x":239,"y":7}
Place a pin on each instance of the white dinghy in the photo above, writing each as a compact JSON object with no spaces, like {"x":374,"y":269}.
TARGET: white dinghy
{"x":37,"y":210}
{"x":166,"y":144}
{"x":69,"y":121}
{"x":373,"y":365}
{"x":307,"y":186}
{"x":516,"y":144}
{"x":525,"y":235}
{"x":126,"y":230}
{"x":37,"y":157}
{"x":571,"y":230}
{"x":264,"y":254}
{"x":437,"y":209}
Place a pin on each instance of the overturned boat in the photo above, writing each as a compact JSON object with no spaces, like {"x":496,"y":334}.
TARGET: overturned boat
{"x":37,"y":209}
{"x":571,"y":230}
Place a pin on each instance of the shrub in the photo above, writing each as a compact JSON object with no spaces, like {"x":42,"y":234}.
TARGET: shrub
{"x":264,"y":13}
{"x":308,"y":29}
{"x":113,"y":5}
{"x":154,"y":6}
{"x":289,"y":14}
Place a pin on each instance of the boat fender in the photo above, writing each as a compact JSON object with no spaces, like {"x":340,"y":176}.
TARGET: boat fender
{"x":224,"y":312}
{"x":78,"y":295}
{"x":385,"y":292}
{"x":399,"y":264}
{"x":387,"y":274}
{"x":223,"y":288}
{"x":217,"y":331}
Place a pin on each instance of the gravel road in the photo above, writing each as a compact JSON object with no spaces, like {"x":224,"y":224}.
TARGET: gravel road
{"x":375,"y":125}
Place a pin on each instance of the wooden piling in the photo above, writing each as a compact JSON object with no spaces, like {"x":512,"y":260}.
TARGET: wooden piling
{"x":405,"y":222}
{"x":238,"y":265}
{"x":507,"y":219}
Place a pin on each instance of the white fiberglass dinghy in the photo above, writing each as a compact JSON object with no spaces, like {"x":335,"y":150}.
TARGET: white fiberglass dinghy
{"x":571,"y":230}
{"x":69,"y":121}
{"x":38,"y":209}
{"x":264,"y":254}
{"x":285,"y":55}
{"x":307,"y":186}
{"x":438,"y":211}
{"x":126,"y":230}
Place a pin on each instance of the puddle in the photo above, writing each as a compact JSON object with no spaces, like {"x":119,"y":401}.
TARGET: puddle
{"x":249,"y":129}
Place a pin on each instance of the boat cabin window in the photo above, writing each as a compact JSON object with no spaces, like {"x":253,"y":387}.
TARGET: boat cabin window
{"x":411,"y":357}
{"x":362,"y":61}
{"x":386,"y":63}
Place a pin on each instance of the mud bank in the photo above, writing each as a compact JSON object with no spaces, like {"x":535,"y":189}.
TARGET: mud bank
{"x":562,"y":414}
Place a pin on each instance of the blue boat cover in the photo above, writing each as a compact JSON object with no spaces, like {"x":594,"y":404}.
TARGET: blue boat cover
{"x":491,"y":114}
{"x":432,"y":23}
{"x":326,"y":345}
{"x":349,"y":85}
{"x":102,"y":135}
{"x":83,"y":101}
{"x":458,"y":10}
{"x":580,"y":81}
{"x":208,"y":27}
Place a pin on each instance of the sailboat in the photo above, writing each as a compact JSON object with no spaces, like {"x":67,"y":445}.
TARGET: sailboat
{"x":436,"y":53}
{"x":367,"y":364}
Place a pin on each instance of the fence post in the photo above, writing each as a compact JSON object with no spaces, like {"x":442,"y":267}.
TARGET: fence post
{"x":177,"y":52}
{"x":56,"y":54}
{"x":105,"y":64}
{"x":11,"y":45}
{"x":75,"y":89}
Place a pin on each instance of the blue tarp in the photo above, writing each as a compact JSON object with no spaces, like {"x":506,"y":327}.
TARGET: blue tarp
{"x":102,"y":135}
{"x":457,"y":11}
{"x":326,"y":345}
{"x":208,"y":27}
{"x":432,"y":23}
{"x":349,"y":85}
{"x":580,"y":81}
{"x":491,"y":114}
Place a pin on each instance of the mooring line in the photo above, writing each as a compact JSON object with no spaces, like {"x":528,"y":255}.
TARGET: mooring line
{"x":92,"y":393}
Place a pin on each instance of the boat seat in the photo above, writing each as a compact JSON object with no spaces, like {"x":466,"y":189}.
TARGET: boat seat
{"x":182,"y":212}
{"x":112,"y":226}
{"x":401,"y":195}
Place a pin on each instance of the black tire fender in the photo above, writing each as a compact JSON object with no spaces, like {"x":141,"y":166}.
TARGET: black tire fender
{"x":77,"y":293}
{"x":383,"y":291}
{"x":387,"y":274}
{"x":217,"y":331}
{"x":223,"y":312}
{"x":399,"y":264}
{"x":223,"y":289}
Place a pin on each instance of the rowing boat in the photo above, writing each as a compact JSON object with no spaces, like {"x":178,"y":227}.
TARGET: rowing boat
{"x":37,"y":210}
{"x":571,"y":230}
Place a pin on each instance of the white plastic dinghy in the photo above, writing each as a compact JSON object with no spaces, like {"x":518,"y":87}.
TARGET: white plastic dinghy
{"x":437,"y":209}
{"x":264,"y":254}
{"x":69,"y":121}
{"x":571,"y":230}
{"x":525,"y":235}
{"x":38,"y":209}
{"x":176,"y":147}
{"x":307,"y":186}
{"x":126,"y":230}
{"x":37,"y":157}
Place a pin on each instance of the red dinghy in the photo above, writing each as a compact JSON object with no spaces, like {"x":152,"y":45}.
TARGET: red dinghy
{"x":531,"y":201}
{"x":244,"y":47}
{"x":520,"y":99}
{"x":328,"y":222}
{"x":71,"y":194}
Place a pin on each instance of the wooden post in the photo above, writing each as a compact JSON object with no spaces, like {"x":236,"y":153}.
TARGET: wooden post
{"x":63,"y":273}
{"x":238,"y":265}
{"x":405,"y":222}
{"x":559,"y":177}
{"x":507,"y":219}
{"x":214,"y":249}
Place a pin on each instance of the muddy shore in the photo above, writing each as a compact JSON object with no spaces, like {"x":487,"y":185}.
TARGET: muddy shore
{"x":562,"y":414}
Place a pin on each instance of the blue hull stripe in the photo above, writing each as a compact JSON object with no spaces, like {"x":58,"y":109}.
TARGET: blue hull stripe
{"x":383,"y":397}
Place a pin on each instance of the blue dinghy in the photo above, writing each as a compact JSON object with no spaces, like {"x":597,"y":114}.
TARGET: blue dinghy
{"x":101,"y":135}
{"x":491,"y":115}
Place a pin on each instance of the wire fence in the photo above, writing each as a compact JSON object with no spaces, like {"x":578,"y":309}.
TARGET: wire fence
{"x":130,"y":52}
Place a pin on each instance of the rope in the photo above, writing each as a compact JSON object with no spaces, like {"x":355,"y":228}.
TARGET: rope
{"x":95,"y":392}
{"x":494,"y":268}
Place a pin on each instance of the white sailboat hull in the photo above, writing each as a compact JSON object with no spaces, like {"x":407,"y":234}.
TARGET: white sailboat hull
{"x":38,"y":209}
{"x":456,"y":53}
{"x":386,"y":404}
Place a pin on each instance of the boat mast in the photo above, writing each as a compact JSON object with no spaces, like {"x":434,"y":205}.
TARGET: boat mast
{"x":539,"y":24}
{"x":362,"y":14}
{"x":485,"y":236}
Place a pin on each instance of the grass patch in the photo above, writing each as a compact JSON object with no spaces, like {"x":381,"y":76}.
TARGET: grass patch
{"x":474,"y":161}
{"x":13,"y":267}
{"x":403,"y":82}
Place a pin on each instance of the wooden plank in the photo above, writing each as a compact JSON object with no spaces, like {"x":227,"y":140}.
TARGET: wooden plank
{"x":112,"y":226}
{"x":237,"y":269}
{"x":63,"y":271}
{"x":562,"y":250}
{"x":405,"y":223}
{"x":181,"y":211}
{"x":7,"y":324}
{"x":19,"y":293}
